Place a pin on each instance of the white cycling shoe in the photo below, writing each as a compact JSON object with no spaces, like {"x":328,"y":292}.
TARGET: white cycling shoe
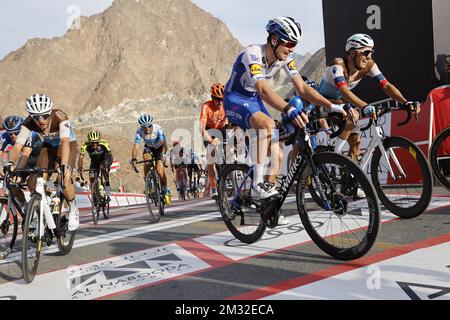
{"x":282,"y":221}
{"x":264,"y":190}
{"x":74,"y":218}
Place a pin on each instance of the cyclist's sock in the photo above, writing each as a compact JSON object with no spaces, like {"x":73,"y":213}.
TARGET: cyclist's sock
{"x":258,"y":174}
{"x":71,"y":203}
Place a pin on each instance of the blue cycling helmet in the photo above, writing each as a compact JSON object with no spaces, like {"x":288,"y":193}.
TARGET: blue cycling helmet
{"x":145,"y":120}
{"x":12,"y":123}
{"x":285,"y":28}
{"x":312,"y":84}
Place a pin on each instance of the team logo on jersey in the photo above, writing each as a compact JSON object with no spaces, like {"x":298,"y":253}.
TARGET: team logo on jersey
{"x":255,"y":69}
{"x":254,"y":58}
{"x":292,"y":66}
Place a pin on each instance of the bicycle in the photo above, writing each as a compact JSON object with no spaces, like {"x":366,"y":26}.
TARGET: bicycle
{"x":9,"y":206}
{"x":358,"y":222}
{"x":153,"y":190}
{"x":43,"y":222}
{"x":99,"y":200}
{"x":398,"y":168}
{"x":439,"y":156}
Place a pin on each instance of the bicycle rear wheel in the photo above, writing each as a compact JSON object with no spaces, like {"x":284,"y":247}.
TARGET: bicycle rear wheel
{"x":160,"y":199}
{"x":105,"y":208}
{"x":239,"y":211}
{"x":440,"y":158}
{"x":31,"y":241}
{"x":348,"y":227}
{"x":65,"y":238}
{"x":408,"y":193}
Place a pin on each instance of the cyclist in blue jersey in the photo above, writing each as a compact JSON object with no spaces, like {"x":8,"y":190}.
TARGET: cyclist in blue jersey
{"x":28,"y":158}
{"x":155,"y":146}
{"x":343,"y":74}
{"x":248,"y":87}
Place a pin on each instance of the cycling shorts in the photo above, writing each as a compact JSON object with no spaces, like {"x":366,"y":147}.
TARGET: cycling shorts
{"x":240,"y":108}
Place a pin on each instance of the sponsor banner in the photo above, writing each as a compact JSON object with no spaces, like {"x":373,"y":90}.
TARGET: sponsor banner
{"x":113,"y":202}
{"x":122,"y":200}
{"x":131,"y":200}
{"x":82,"y":201}
{"x":419,"y":275}
{"x":108,"y":276}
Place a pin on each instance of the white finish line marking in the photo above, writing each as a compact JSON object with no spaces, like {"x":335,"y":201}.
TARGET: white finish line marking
{"x":423,"y":274}
{"x":108,"y":276}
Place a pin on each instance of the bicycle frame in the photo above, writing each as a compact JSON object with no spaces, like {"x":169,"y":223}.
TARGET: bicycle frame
{"x":377,"y":141}
{"x":300,"y":163}
{"x":44,"y":211}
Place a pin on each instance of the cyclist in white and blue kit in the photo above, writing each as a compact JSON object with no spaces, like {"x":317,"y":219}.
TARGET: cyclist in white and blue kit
{"x":248,"y":87}
{"x":343,"y":74}
{"x":155,"y":146}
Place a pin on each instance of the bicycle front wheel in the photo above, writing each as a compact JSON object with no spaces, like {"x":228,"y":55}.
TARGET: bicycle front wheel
{"x":8,"y":228}
{"x":407,"y":190}
{"x":31,"y":240}
{"x":440,"y":158}
{"x":149,"y":196}
{"x":65,"y":237}
{"x":239,"y":211}
{"x":95,"y":198}
{"x":344,"y":227}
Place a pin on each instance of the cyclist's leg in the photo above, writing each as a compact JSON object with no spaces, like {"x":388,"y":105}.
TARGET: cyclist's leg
{"x":351,"y":134}
{"x":354,"y":141}
{"x":69,"y":190}
{"x":105,"y":166}
{"x":146,"y":155}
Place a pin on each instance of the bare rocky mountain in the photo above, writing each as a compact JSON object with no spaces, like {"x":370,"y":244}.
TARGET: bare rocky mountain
{"x":133,"y":50}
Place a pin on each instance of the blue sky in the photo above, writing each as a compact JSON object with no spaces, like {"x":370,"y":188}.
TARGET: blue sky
{"x":21,"y":20}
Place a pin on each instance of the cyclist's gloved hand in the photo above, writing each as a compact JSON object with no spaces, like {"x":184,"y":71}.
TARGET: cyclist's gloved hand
{"x":413,"y":106}
{"x":133,"y":160}
{"x":338,"y":108}
{"x":369,"y":110}
{"x":8,"y":167}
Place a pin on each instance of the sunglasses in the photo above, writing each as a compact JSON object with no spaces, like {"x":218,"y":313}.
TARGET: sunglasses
{"x":149,"y":127}
{"x":288,"y":44}
{"x":14,"y":132}
{"x":366,"y":53}
{"x":40,"y":116}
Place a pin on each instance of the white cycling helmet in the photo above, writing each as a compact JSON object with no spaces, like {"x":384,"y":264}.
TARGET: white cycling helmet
{"x":145,"y":120}
{"x":286,"y":28}
{"x":39,"y":104}
{"x":358,"y":41}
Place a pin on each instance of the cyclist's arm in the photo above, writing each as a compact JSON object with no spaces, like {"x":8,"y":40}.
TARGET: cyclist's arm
{"x":394,"y":93}
{"x":203,"y":121}
{"x":80,"y":161}
{"x":309,"y":93}
{"x":352,"y":98}
{"x":269,"y":96}
{"x":134,"y":151}
{"x":65,"y":150}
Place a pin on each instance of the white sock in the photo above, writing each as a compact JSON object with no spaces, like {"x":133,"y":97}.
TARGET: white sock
{"x":258,"y":174}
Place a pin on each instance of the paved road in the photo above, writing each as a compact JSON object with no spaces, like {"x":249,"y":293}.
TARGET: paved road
{"x":190,"y":254}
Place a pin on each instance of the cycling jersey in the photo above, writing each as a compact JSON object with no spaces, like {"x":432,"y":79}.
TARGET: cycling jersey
{"x":33,"y":141}
{"x":334,"y":79}
{"x":215,"y":118}
{"x":178,"y":160}
{"x":155,"y":139}
{"x":59,"y":127}
{"x":241,"y":99}
{"x":251,"y":66}
{"x":99,"y":151}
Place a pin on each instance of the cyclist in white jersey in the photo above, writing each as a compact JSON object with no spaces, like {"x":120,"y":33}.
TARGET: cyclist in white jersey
{"x":155,"y":145}
{"x":247,"y":88}
{"x":343,"y":75}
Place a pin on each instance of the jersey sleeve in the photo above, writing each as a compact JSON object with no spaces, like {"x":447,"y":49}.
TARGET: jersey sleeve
{"x":137,"y":138}
{"x":105,"y":144}
{"x":338,"y":76}
{"x":83,"y":149}
{"x":375,"y":72}
{"x":252,"y":61}
{"x":290,"y":67}
{"x":64,"y":129}
{"x":23,"y":135}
